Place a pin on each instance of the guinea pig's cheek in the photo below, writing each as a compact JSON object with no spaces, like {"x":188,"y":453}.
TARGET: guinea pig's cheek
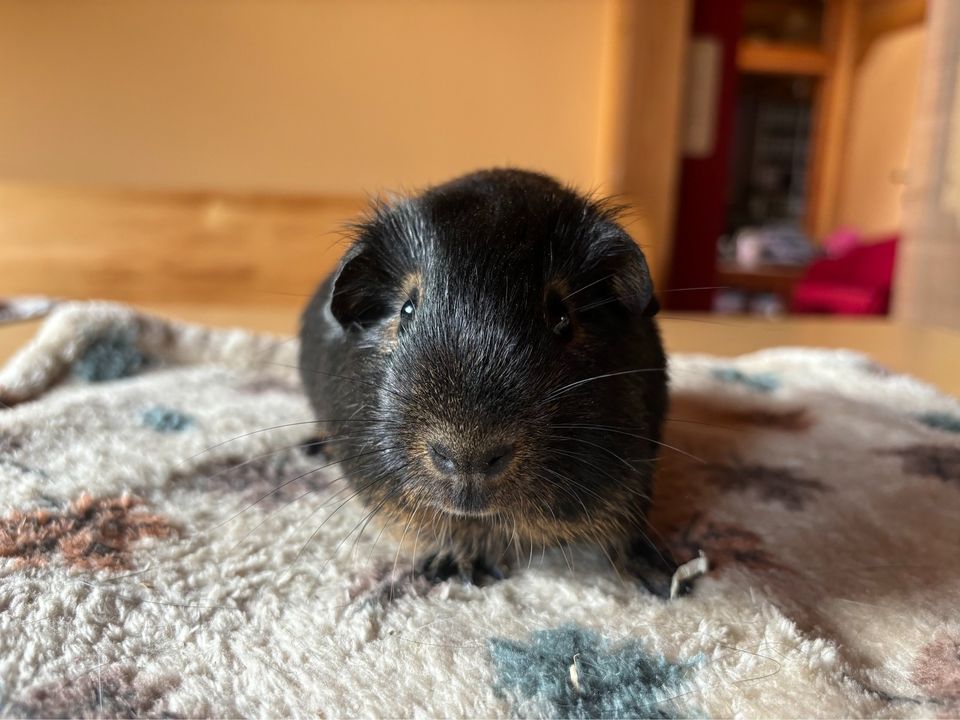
{"x":419,"y":457}
{"x":389,"y":334}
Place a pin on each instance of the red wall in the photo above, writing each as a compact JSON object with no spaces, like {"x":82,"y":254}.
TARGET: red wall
{"x":702,"y":196}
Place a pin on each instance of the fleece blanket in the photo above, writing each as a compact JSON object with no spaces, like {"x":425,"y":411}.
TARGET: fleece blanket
{"x":173,"y":544}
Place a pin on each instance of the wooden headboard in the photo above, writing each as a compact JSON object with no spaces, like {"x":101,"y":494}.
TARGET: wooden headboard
{"x":151,"y":247}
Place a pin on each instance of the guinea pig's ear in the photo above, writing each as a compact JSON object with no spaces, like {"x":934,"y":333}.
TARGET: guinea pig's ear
{"x":359,"y":298}
{"x":632,"y":281}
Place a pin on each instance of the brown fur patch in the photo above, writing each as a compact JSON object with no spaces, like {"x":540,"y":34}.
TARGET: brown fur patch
{"x":92,"y":534}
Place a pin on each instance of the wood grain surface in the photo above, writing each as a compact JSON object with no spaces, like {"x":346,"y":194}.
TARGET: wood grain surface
{"x":168,"y":247}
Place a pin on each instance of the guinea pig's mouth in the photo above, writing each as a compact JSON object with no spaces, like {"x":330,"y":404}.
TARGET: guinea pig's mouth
{"x":468,"y":499}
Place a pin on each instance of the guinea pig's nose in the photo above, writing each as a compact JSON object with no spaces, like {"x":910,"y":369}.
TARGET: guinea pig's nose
{"x":442,"y":458}
{"x":495,"y":460}
{"x":490,"y":462}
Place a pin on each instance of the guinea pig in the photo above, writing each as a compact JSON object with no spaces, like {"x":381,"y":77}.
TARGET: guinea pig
{"x":488,"y":369}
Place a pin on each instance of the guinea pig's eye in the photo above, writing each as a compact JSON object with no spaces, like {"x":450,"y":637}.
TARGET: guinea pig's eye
{"x":558,"y":317}
{"x":407,"y":311}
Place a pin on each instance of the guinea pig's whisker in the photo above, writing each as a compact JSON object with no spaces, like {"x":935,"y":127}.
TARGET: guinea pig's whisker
{"x":539,"y":509}
{"x":244,"y":463}
{"x":369,"y":517}
{"x":669,"y":316}
{"x":287,"y":294}
{"x":368,"y":485}
{"x":595,"y":304}
{"x":367,"y":521}
{"x":294,"y":479}
{"x":586,"y":461}
{"x":694,"y":289}
{"x":588,"y":285}
{"x":611,"y":429}
{"x":640,"y":530}
{"x":377,"y":508}
{"x":361,"y":524}
{"x":656,"y":548}
{"x":609,"y":452}
{"x":274,"y":427}
{"x":416,"y":544}
{"x":519,"y":543}
{"x":705,"y":423}
{"x":285,"y":448}
{"x":317,"y":509}
{"x":348,"y":378}
{"x":603,"y":548}
{"x":566,"y":388}
{"x":562,"y":485}
{"x":556,"y":522}
{"x":273,"y":346}
{"x":396,"y":557}
{"x":383,"y":528}
{"x":276,"y":512}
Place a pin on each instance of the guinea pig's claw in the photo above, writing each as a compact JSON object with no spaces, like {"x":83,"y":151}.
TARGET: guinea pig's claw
{"x":442,"y":566}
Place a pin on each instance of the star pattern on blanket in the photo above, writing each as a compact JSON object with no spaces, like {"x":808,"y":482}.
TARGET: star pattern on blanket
{"x":574,"y":672}
{"x":384,"y":583}
{"x":111,"y":692}
{"x":110,"y":355}
{"x":726,"y":544}
{"x":770,"y":483}
{"x":270,"y":480}
{"x":92,"y":533}
{"x":758,"y":382}
{"x":938,"y":461}
{"x":9,"y":443}
{"x":936,"y":671}
{"x":165,"y":419}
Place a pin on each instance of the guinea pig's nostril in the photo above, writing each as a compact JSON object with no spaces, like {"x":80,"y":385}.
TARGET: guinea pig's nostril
{"x":496,"y":459}
{"x":442,"y":459}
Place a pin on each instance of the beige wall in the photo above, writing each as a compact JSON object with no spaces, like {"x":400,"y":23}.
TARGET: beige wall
{"x":298,"y":95}
{"x":882,"y":110}
{"x":927,"y":289}
{"x":228,"y":101}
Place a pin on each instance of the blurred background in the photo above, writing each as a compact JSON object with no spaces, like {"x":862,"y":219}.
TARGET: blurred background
{"x":781,"y":156}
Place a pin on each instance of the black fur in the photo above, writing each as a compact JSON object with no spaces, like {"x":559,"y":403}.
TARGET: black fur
{"x":523,"y":292}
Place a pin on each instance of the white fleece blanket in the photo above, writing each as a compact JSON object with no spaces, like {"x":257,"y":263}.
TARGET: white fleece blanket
{"x":164,"y":553}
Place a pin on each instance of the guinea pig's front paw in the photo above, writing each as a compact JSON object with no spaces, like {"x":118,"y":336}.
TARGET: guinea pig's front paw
{"x":653,"y":567}
{"x":443,"y":565}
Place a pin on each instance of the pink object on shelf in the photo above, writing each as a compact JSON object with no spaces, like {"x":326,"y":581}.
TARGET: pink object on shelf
{"x":857,"y":282}
{"x":841,"y":241}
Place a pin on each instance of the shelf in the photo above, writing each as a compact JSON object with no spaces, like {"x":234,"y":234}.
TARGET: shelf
{"x":776,"y":279}
{"x":757,"y":56}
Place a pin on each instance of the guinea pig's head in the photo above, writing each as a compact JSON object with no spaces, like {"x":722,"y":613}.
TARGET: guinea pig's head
{"x":500,"y":357}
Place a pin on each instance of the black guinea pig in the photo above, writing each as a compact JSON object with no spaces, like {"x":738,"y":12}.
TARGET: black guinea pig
{"x":488,"y":371}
